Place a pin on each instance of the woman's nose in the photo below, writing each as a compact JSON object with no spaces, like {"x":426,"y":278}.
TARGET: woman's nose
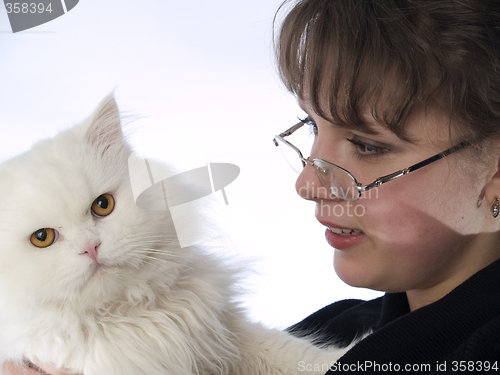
{"x":309,"y":186}
{"x":307,"y":183}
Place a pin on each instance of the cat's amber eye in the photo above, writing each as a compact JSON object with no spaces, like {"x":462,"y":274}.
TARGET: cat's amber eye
{"x":43,"y":237}
{"x":103,"y":205}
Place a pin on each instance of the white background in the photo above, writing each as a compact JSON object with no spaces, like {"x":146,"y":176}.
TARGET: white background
{"x":194,"y":72}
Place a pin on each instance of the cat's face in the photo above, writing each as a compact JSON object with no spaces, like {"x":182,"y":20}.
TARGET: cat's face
{"x":69,"y":226}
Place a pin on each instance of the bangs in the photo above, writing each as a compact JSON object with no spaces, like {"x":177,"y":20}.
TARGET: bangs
{"x":353,"y":61}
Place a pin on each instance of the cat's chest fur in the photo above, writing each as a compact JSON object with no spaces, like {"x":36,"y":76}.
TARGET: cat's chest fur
{"x":154,"y":326}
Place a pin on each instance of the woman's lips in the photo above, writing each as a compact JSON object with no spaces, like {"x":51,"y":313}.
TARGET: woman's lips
{"x":343,"y":238}
{"x":345,"y":232}
{"x":339,"y":236}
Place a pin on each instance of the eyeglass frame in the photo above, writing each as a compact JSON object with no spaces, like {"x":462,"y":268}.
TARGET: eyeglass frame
{"x":380,"y":180}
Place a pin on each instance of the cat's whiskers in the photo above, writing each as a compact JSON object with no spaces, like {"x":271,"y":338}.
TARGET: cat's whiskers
{"x":159,"y":251}
{"x":156,"y":259}
{"x":159,"y":238}
{"x":157,"y":243}
{"x":151,"y":236}
{"x":153,"y":261}
{"x":156,"y":254}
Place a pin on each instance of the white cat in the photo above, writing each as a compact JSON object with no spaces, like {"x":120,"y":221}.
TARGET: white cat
{"x":91,"y":283}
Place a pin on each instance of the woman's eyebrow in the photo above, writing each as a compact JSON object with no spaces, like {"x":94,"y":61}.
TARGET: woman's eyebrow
{"x":377,"y":128}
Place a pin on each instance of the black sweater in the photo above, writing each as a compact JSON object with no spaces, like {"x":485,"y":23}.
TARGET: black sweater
{"x":460,"y":333}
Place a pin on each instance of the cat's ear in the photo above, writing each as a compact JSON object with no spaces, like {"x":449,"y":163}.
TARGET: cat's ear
{"x":104,"y":128}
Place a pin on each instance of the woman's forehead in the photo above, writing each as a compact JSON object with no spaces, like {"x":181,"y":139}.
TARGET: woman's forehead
{"x":424,"y":124}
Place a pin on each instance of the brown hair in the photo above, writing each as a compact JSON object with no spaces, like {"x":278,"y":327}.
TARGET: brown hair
{"x":392,"y":56}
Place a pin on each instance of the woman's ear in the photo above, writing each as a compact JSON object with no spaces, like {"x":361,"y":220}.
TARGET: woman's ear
{"x":492,"y":187}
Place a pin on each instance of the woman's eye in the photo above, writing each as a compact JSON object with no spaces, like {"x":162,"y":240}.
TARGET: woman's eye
{"x":103,"y":205}
{"x":365,"y":149}
{"x":369,"y":149}
{"x":43,"y":237}
{"x":313,"y":128}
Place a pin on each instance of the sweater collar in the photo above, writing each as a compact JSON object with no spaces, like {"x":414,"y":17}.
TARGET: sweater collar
{"x":446,"y":323}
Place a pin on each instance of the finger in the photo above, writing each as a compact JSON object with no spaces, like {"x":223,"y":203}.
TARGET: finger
{"x":51,"y":370}
{"x":11,"y":368}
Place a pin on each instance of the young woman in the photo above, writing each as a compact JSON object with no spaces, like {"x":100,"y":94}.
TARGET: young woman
{"x":403,"y":100}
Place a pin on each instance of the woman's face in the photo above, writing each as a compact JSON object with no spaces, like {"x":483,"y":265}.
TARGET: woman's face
{"x":421,"y":231}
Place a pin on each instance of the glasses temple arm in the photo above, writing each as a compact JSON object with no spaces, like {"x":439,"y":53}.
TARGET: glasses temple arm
{"x":290,"y":131}
{"x":439,"y":156}
{"x":382,"y":180}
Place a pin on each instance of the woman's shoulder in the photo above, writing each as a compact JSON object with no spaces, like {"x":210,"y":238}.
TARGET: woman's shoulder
{"x":340,"y":322}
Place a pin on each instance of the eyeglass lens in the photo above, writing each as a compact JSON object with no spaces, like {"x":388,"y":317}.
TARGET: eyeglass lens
{"x":336,"y":180}
{"x":291,"y":156}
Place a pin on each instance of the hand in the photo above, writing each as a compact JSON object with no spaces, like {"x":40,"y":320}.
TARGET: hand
{"x":12,"y":368}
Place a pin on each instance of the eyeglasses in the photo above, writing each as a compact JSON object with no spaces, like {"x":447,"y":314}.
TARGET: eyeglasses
{"x":339,"y":181}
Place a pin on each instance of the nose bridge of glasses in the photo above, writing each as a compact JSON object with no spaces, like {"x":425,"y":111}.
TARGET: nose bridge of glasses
{"x":339,"y":182}
{"x":308,"y":161}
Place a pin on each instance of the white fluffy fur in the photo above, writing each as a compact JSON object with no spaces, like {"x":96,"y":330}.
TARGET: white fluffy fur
{"x":150,"y":307}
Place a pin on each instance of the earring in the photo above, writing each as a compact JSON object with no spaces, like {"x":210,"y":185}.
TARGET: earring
{"x":495,"y":207}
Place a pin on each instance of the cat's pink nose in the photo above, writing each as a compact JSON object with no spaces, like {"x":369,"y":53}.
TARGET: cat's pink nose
{"x":91,"y":251}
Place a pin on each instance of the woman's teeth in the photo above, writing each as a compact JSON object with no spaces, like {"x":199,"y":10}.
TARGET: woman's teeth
{"x":345,"y":232}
